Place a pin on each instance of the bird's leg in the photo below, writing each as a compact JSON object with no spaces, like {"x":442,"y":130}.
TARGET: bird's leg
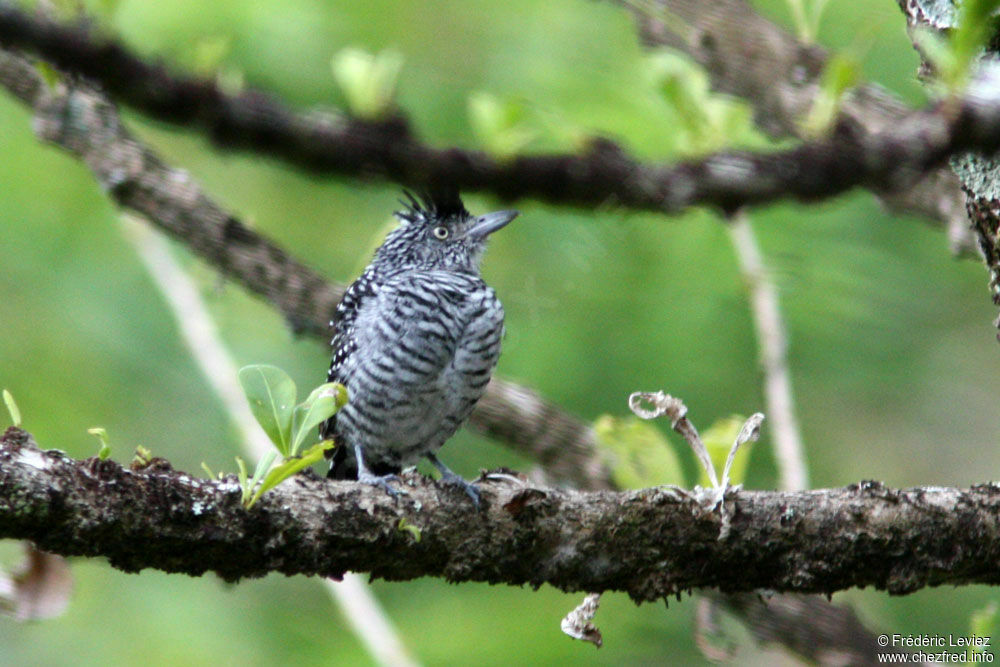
{"x":366,"y":476}
{"x":448,"y":477}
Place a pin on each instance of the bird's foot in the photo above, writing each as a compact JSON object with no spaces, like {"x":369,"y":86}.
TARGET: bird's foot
{"x":382,"y":481}
{"x":470,"y":489}
{"x":448,"y":477}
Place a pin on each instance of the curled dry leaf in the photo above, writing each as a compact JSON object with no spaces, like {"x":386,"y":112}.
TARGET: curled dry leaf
{"x":662,"y":404}
{"x":674,"y":408}
{"x":577,"y":623}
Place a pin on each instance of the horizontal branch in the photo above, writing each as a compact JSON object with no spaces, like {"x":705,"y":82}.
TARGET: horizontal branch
{"x":327,"y":143}
{"x":650,"y":544}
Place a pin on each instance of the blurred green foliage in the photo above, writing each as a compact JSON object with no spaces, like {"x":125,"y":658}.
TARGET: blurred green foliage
{"x":719,"y":439}
{"x":892,"y":350}
{"x":637,"y":453}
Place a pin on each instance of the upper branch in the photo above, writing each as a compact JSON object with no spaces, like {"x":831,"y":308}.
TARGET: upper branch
{"x":650,"y":543}
{"x":325,"y":143}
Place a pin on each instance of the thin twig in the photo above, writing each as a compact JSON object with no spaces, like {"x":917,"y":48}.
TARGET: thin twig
{"x":369,"y":621}
{"x":793,"y":472}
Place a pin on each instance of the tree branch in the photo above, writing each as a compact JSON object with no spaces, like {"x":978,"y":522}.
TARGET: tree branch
{"x":650,"y":544}
{"x":885,"y":161}
{"x":810,"y":626}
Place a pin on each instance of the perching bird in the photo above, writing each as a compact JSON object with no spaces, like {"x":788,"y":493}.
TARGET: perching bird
{"x":417,"y":338}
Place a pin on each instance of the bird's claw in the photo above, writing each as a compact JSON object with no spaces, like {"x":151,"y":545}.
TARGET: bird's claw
{"x":382,"y":481}
{"x":470,"y":489}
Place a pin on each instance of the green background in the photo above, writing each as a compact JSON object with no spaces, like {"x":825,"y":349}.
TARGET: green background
{"x":892,"y":350}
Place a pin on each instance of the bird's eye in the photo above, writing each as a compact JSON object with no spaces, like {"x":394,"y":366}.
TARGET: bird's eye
{"x":440,"y":233}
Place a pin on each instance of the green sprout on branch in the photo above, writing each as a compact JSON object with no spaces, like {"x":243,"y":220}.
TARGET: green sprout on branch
{"x":271,"y":394}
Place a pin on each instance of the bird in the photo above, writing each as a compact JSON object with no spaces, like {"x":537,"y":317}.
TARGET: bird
{"x":417,"y":336}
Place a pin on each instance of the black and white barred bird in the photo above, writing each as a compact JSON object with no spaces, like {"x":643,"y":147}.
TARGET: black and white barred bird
{"x":417,"y":338}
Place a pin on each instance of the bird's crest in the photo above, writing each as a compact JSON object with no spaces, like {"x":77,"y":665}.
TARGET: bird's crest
{"x":432,"y":204}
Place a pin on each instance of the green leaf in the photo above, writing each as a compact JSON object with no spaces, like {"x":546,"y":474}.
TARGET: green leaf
{"x":15,"y":414}
{"x":975,"y":25}
{"x":241,"y":474}
{"x":289,"y":467}
{"x":637,"y":453}
{"x":263,"y":465}
{"x":368,"y":81}
{"x":271,"y":394}
{"x":410,"y":528}
{"x":705,"y":121}
{"x":685,"y":88}
{"x":842,"y":73}
{"x":208,"y":53}
{"x":208,"y":471}
{"x":321,"y":404}
{"x":142,"y":457}
{"x":102,"y":435}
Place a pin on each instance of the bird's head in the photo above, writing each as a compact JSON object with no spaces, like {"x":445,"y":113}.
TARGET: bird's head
{"x":437,"y":232}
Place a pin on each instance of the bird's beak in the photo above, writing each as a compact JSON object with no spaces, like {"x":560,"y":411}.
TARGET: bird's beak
{"x":485,"y":225}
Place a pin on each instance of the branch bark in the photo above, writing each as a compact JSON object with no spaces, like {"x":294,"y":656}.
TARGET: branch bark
{"x":650,"y":544}
{"x":810,"y":626}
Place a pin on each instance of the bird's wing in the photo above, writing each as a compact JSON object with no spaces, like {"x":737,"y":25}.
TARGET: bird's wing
{"x":344,"y":342}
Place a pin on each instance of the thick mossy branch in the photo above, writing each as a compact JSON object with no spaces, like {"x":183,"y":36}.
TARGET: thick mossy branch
{"x":650,"y":544}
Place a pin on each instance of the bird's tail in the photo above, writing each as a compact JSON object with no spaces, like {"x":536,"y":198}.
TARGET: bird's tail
{"x":342,"y":464}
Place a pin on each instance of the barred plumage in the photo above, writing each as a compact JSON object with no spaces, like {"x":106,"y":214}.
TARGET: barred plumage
{"x":418,"y":335}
